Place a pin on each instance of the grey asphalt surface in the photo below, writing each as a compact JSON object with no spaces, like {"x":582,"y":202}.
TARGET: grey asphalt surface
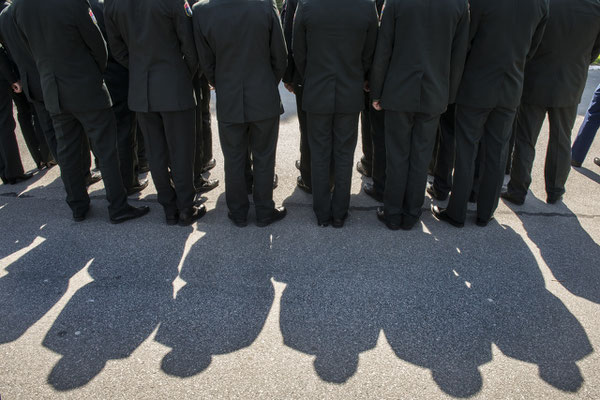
{"x":142,"y":310}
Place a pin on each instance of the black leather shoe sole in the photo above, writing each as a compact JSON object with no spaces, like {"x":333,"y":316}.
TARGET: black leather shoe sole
{"x":132,"y":213}
{"x":277,"y":215}
{"x":511,"y":198}
{"x":440,"y":215}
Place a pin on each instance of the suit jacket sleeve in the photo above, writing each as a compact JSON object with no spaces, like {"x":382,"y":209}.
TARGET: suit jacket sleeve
{"x":459,"y":53}
{"x":279,"y":52}
{"x":299,"y":38}
{"x":206,"y":56}
{"x":6,"y":67}
{"x":596,"y":49}
{"x":90,"y":32}
{"x":383,"y":52}
{"x":287,"y":16}
{"x":538,"y":35}
{"x":118,"y":46}
{"x":370,"y":42}
{"x":185,"y":32}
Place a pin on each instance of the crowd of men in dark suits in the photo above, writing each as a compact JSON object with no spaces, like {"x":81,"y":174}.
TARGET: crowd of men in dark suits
{"x":439,"y":86}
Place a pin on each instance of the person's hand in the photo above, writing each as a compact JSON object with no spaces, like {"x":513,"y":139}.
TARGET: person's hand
{"x":377,"y":105}
{"x":211,"y":87}
{"x":366,"y":87}
{"x":289,"y":87}
{"x":16,"y":87}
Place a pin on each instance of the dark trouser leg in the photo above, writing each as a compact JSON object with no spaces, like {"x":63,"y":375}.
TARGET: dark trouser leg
{"x":558,"y":157}
{"x":199,"y":142}
{"x":207,"y":151}
{"x":345,"y":137}
{"x":153,"y":130}
{"x":101,"y":129}
{"x":25,"y":117}
{"x":126,"y":126}
{"x":320,"y":136}
{"x":398,"y":132}
{"x":479,"y":165}
{"x":234,"y":143}
{"x":366,"y":130}
{"x":530,"y":119}
{"x":70,"y":138}
{"x":41,"y":137}
{"x":263,"y":145}
{"x":379,"y":159}
{"x":498,"y":129}
{"x":142,"y":156}
{"x":45,"y":122}
{"x":10,"y":160}
{"x":305,"y":159}
{"x":179,"y":133}
{"x":444,"y":164}
{"x":422,"y":142}
{"x":470,"y":126}
{"x":588,"y":129}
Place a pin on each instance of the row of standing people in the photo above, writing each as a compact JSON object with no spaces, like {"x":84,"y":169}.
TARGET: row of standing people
{"x":423,"y":58}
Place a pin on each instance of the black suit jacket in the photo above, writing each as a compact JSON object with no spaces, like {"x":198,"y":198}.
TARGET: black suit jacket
{"x":154,"y":39}
{"x":333,"y":44}
{"x":13,"y":41}
{"x":557,"y":73}
{"x":420,"y":54}
{"x":243,"y":55}
{"x":503,"y":36}
{"x":69,"y":51}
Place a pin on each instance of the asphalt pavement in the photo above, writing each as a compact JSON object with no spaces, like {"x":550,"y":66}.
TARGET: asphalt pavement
{"x":142,"y":310}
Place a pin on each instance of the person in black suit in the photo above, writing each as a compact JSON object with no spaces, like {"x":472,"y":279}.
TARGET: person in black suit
{"x":333,"y":45}
{"x":554,"y":82}
{"x":117,"y":81}
{"x":71,"y":56}
{"x":414,"y":96}
{"x":243,"y":55}
{"x":503,"y":35}
{"x":155,"y":41}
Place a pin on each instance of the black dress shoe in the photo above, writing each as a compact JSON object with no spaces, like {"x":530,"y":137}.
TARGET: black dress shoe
{"x":597,"y":161}
{"x":511,"y":198}
{"x":369,"y":190}
{"x":324,"y":223}
{"x":237,"y":221}
{"x":381,"y":216}
{"x":553,"y":199}
{"x":79,"y":216}
{"x":360,"y":167}
{"x":141,"y":185}
{"x":209,"y":165}
{"x":206,"y":185}
{"x":339,"y":222}
{"x":298,"y":165}
{"x":575,"y":164}
{"x":18,"y":178}
{"x":441,"y":215}
{"x":172,"y":218}
{"x":277,"y":214}
{"x":129,"y":213}
{"x":482,"y":222}
{"x":436,"y":194}
{"x":191,"y":215}
{"x":93,"y":177}
{"x":302,"y":185}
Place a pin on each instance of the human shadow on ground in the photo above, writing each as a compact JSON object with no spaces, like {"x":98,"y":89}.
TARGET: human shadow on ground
{"x":567,"y":249}
{"x":591,"y":175}
{"x":225,"y":299}
{"x":111,"y":316}
{"x":442,"y":300}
